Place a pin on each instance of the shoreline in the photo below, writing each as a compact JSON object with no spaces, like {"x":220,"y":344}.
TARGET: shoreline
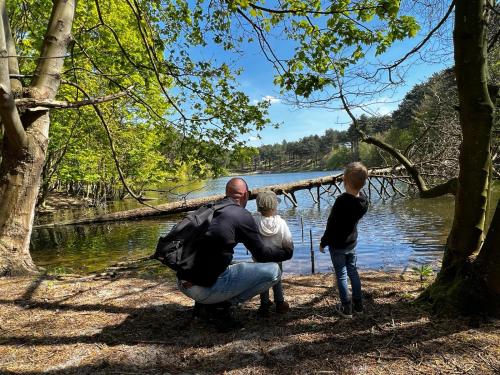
{"x":126,"y":324}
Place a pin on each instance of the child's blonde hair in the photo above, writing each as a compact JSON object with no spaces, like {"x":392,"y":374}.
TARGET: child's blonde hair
{"x":267,"y":201}
{"x":356,"y":174}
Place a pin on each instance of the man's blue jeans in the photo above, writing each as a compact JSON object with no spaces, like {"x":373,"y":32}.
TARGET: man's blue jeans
{"x":238,"y":283}
{"x":345,"y":265}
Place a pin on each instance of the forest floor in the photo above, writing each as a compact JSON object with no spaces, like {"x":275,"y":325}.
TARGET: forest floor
{"x":122,"y":323}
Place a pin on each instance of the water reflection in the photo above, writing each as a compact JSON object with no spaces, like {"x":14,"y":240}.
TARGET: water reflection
{"x":394,"y":234}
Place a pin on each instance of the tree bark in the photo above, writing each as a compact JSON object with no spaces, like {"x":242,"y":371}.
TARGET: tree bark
{"x":460,"y":284}
{"x":19,"y":184}
{"x":476,"y":121}
{"x":489,"y":259}
{"x":26,"y":141}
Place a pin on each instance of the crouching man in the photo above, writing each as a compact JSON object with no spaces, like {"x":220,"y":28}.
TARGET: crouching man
{"x":213,"y":282}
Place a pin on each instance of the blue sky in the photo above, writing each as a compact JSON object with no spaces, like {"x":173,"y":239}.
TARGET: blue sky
{"x":257,"y":82}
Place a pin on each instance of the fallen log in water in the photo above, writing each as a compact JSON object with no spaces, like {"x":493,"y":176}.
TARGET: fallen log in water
{"x":287,"y":190}
{"x":192,"y":204}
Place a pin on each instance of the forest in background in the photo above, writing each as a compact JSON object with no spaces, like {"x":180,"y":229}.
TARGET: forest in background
{"x":425,"y":127}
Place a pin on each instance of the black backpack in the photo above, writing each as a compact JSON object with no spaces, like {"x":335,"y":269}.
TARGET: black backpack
{"x":178,"y":248}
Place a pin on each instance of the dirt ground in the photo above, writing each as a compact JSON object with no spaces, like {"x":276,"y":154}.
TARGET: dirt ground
{"x":124,"y":324}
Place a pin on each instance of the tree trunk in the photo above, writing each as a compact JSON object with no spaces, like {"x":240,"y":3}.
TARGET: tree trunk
{"x":20,"y":176}
{"x":489,"y":260}
{"x":25,"y":144}
{"x":460,"y":284}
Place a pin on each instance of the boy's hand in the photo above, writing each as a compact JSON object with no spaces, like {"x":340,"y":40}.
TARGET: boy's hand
{"x":321,"y":249}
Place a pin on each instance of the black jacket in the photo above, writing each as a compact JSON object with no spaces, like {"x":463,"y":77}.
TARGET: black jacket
{"x":341,"y":229}
{"x":230,"y":226}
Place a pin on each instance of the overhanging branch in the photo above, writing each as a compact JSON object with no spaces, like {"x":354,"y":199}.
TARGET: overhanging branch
{"x":448,"y":187}
{"x":44,"y":104}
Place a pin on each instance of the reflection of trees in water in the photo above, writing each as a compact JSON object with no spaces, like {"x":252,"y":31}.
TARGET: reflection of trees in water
{"x":94,"y":246}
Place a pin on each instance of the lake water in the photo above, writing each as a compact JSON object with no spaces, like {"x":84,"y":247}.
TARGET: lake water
{"x":395,"y":233}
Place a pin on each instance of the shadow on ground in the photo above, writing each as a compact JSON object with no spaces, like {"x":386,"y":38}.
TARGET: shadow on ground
{"x":132,"y":326}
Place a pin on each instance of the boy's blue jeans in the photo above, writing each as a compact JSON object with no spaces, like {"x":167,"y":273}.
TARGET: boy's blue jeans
{"x":345,"y":265}
{"x":277,"y":292}
{"x":238,"y":283}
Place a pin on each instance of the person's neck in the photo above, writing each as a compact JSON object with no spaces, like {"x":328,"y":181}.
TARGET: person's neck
{"x":351,"y":191}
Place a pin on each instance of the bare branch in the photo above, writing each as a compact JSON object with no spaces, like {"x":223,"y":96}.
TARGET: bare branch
{"x":263,"y":42}
{"x":310,"y":11}
{"x":43,"y":105}
{"x":153,"y":61}
{"x":384,"y":146}
{"x":419,"y":45}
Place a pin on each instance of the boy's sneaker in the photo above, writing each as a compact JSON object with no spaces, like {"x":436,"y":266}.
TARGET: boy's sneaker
{"x":357,"y":307}
{"x":282,"y":307}
{"x":344,"y":311}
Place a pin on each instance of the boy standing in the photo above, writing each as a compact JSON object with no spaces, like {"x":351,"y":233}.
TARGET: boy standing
{"x":341,"y":236}
{"x":275,"y":234}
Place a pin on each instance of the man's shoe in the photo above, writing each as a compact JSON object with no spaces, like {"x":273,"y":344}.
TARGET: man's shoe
{"x":344,"y":310}
{"x":224,"y":321}
{"x":357,"y":307}
{"x":282,"y":307}
{"x":264,"y":310}
{"x":209,"y":311}
{"x":200,"y":311}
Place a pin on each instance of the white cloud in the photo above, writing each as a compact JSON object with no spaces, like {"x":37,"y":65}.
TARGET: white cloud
{"x":271,"y":99}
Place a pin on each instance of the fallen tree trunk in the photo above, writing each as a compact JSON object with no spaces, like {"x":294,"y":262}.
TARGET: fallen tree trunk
{"x":192,"y":204}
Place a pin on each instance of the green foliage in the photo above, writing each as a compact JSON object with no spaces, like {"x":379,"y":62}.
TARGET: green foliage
{"x":339,"y":157}
{"x":182,"y":113}
{"x":331,"y":38}
{"x":423,"y":271}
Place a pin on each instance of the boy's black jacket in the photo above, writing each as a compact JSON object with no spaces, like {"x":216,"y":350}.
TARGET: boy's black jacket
{"x":341,"y":229}
{"x":230,"y":226}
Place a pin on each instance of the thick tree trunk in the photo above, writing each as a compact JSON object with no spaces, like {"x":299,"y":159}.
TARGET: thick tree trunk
{"x":489,"y":258}
{"x":25,"y":145}
{"x":460,"y":283}
{"x":19,"y":185}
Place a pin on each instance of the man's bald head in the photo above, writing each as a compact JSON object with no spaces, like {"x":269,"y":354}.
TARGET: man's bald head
{"x":237,"y":189}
